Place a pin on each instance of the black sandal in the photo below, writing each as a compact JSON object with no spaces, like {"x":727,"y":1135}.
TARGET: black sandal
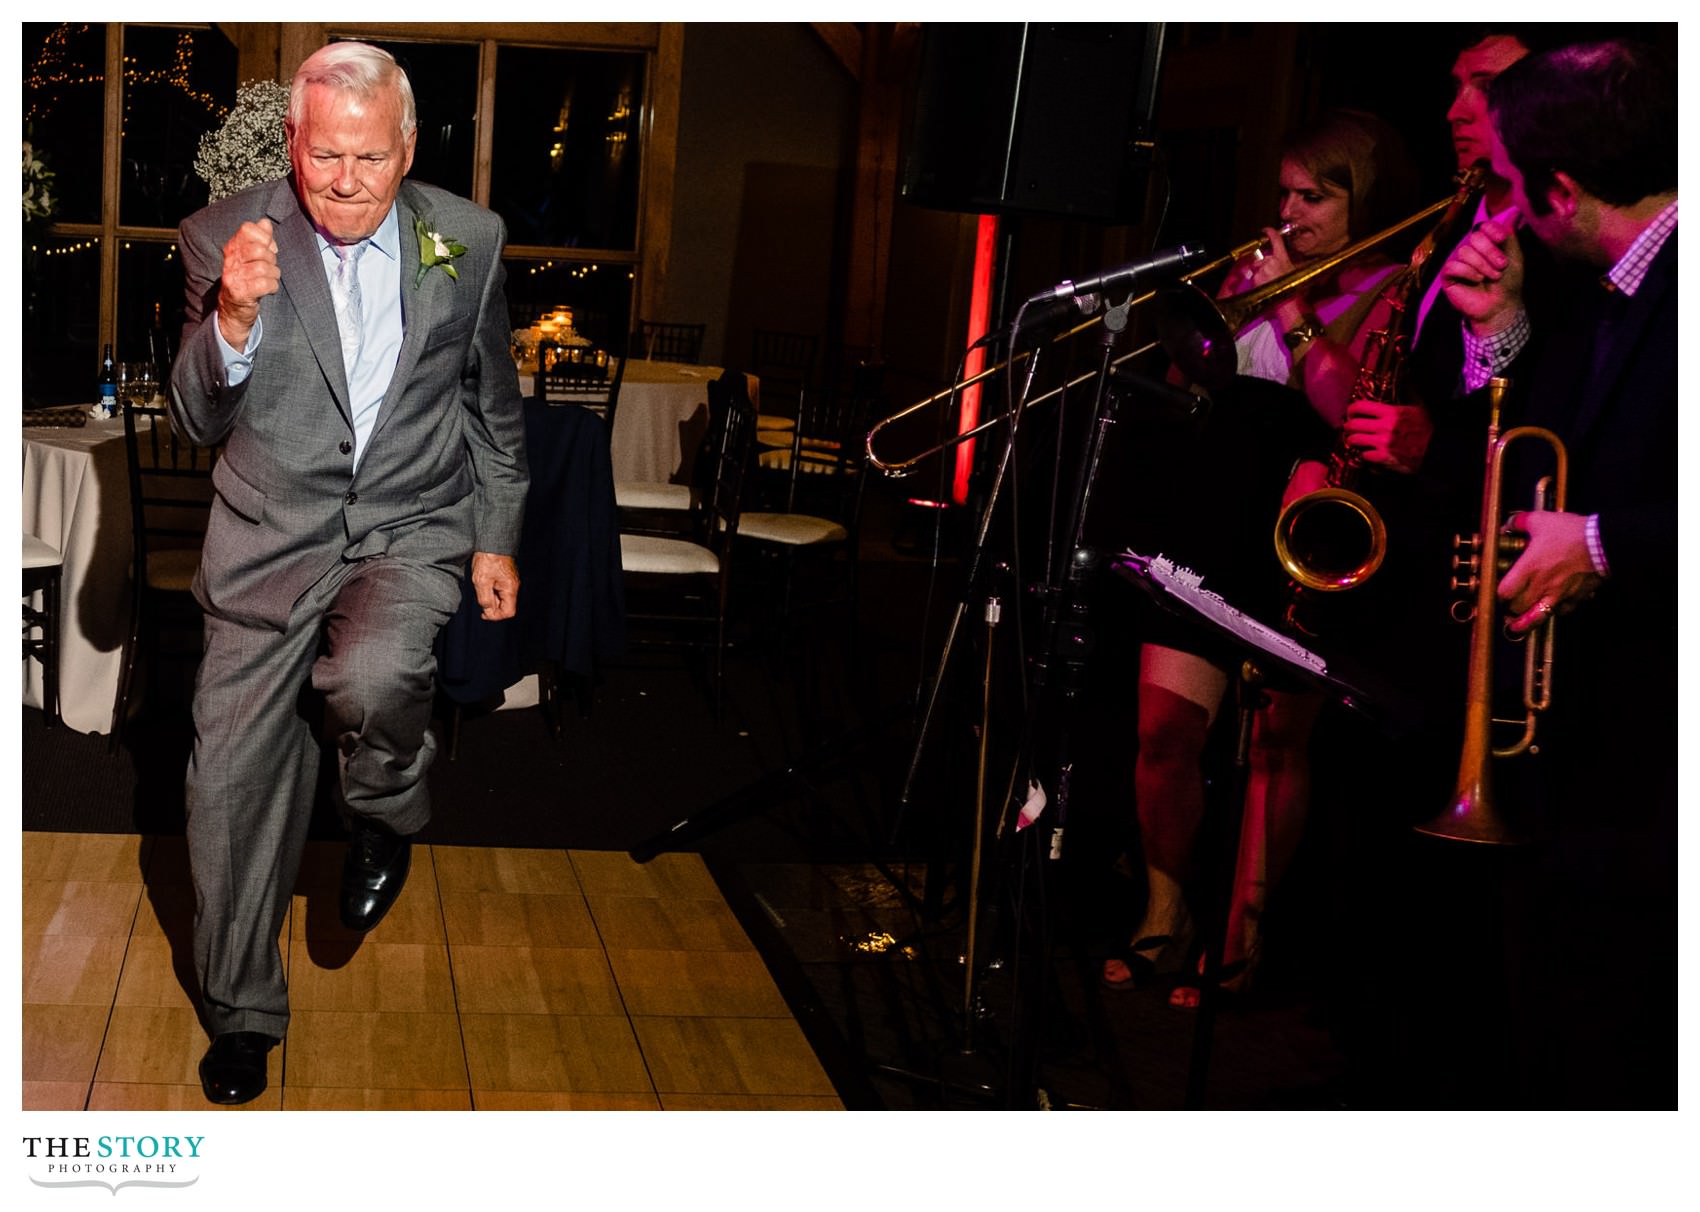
{"x":1228,"y":993}
{"x":1149,"y":957}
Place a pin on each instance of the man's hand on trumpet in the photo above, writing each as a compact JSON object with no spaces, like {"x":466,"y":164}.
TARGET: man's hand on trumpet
{"x":1394,"y":436}
{"x":1554,"y":574}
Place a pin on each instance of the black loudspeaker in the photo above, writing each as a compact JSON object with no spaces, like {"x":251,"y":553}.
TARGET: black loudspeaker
{"x":1042,"y":119}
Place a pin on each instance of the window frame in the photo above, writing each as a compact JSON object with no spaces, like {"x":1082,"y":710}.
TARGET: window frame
{"x":260,"y":56}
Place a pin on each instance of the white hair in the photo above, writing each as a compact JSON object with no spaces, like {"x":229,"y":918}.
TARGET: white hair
{"x":353,"y":67}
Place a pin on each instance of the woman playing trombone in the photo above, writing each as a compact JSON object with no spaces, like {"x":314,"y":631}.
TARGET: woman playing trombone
{"x":1340,"y":180}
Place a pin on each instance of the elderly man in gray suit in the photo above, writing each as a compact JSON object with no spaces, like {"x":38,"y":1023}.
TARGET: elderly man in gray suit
{"x":347,"y":339}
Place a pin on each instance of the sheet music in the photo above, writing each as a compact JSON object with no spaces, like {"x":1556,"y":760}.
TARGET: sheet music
{"x":1188,"y":586}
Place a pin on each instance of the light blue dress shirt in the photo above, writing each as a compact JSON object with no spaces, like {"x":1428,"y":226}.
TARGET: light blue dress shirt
{"x":380,"y":326}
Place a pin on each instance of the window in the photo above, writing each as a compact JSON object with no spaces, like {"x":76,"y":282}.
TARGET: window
{"x":109,"y":261}
{"x":565,"y":163}
{"x":444,"y":76}
{"x":560,"y":157}
{"x":564,"y":167}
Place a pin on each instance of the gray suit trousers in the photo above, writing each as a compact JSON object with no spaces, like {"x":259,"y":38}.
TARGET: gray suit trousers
{"x":356,"y":659}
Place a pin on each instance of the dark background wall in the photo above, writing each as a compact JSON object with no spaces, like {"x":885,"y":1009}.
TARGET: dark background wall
{"x":766,"y":120}
{"x":767,"y":148}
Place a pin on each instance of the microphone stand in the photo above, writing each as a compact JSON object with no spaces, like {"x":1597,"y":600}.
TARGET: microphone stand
{"x":966,"y":1063}
{"x":975,"y":577}
{"x":1065,"y":643}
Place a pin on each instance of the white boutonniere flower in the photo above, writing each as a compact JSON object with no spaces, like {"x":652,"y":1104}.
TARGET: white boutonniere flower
{"x":435,"y":249}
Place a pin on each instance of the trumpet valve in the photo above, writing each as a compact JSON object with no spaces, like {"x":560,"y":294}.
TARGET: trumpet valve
{"x":1470,"y":563}
{"x":1510,"y":546}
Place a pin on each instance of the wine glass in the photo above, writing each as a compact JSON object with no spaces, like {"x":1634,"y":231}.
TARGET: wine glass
{"x":121,"y":378}
{"x":523,"y":346}
{"x":141,"y":383}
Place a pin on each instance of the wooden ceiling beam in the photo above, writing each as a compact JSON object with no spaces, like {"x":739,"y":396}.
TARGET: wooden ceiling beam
{"x":844,"y":40}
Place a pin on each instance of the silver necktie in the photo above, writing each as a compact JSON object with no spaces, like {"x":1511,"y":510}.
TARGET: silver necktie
{"x":345,"y":294}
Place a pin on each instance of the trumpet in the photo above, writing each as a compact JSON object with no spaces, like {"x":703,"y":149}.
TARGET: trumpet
{"x":1473,"y":815}
{"x":903,"y":467}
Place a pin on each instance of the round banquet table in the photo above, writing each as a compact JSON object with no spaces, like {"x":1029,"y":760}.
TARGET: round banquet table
{"x":661,"y":416}
{"x":76,"y":497}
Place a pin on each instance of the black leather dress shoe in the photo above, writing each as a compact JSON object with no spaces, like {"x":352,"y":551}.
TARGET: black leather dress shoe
{"x":372,"y":874}
{"x":234,"y":1068}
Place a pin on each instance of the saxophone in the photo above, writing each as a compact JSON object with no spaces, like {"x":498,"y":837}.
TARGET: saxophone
{"x":1333,"y":539}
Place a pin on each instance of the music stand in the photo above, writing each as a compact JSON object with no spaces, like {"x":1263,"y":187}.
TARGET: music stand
{"x":1268,"y":657}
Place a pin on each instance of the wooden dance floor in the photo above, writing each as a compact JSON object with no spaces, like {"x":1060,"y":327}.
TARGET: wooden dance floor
{"x":503,"y":979}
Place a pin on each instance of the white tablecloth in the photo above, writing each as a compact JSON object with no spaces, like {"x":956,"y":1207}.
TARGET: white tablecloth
{"x":661,"y":416}
{"x":76,"y":497}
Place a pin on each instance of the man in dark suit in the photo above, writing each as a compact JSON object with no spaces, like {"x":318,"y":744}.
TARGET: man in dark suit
{"x":346,"y":339}
{"x":1586,"y":135}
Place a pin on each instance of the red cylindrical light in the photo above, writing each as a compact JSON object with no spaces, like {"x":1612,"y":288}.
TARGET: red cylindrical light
{"x":979,"y":318}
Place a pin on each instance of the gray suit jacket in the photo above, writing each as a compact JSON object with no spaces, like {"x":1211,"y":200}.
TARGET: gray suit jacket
{"x":445,"y":472}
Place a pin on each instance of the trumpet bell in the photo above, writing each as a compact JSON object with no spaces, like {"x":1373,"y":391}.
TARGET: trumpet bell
{"x":1472,"y":817}
{"x":1330,"y":540}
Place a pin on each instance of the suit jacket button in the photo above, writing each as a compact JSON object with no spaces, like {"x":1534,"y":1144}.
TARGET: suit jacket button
{"x":345,"y":446}
{"x":351,"y":498}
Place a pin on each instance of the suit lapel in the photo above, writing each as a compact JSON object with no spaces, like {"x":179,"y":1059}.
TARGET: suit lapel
{"x":421,"y":306}
{"x":303,"y":275}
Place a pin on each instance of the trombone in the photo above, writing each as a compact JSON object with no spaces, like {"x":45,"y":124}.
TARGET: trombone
{"x":1198,"y":331}
{"x":1195,"y":330}
{"x":906,"y":466}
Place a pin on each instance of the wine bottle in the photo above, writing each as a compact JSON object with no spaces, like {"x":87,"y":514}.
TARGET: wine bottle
{"x":159,"y":350}
{"x":108,"y":385}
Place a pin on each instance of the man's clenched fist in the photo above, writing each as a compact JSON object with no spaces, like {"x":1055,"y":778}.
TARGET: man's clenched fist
{"x":250,"y":274}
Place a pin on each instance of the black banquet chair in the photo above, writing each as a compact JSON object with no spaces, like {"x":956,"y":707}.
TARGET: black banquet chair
{"x":43,"y":566}
{"x":589,"y":382}
{"x":685,"y":581}
{"x":819,"y":523}
{"x":657,"y":341}
{"x":171,"y":495}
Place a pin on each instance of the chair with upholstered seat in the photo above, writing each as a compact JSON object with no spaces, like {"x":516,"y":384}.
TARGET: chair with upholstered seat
{"x":824,"y":482}
{"x":686,"y":580}
{"x":170,"y":502}
{"x":661,"y":507}
{"x":657,"y":341}
{"x":786,"y":364}
{"x":43,"y":565}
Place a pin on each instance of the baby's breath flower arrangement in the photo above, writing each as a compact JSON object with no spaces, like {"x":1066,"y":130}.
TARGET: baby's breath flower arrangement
{"x":250,"y":146}
{"x":39,"y":202}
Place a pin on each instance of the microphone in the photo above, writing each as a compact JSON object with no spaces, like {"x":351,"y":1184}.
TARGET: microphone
{"x":1047,"y":310}
{"x":1166,"y":261}
{"x":1061,"y":307}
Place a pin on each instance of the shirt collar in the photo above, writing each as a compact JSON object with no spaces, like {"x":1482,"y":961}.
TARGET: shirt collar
{"x":1631,"y":268}
{"x":387,"y":239}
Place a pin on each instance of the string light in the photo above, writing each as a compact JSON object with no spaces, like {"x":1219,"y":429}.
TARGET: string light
{"x":176,"y":75}
{"x":52,"y":73}
{"x":52,"y":76}
{"x":79,"y":246}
